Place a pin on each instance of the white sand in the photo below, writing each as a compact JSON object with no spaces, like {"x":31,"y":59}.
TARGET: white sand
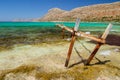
{"x":40,"y":56}
{"x":22,"y":54}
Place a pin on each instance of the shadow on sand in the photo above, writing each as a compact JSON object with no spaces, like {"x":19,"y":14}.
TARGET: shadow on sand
{"x":111,"y":39}
{"x":84,"y":61}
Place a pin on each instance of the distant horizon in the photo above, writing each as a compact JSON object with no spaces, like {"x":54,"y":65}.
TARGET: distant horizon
{"x":32,"y":9}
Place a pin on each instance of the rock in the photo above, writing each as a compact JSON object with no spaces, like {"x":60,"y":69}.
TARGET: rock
{"x":105,"y":53}
{"x":117,"y":50}
{"x":99,"y":12}
{"x":87,"y":32}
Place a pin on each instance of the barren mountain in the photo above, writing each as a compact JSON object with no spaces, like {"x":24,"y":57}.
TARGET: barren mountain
{"x":99,"y":12}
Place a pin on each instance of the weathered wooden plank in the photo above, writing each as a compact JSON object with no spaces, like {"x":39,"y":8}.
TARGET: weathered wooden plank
{"x":66,"y":28}
{"x":82,"y":34}
{"x":105,"y":34}
{"x":63,"y":34}
{"x":93,"y":53}
{"x":99,"y":44}
{"x":70,"y":50}
{"x":77,"y":24}
{"x":72,"y":42}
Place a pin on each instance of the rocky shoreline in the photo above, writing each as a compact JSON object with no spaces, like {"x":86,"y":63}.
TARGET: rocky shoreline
{"x":46,"y":62}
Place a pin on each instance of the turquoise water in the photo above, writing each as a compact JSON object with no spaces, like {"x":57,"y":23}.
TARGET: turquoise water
{"x":12,"y":33}
{"x":27,"y":24}
{"x":90,"y":26}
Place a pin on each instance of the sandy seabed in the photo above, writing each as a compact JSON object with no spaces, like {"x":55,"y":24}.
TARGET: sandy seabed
{"x":46,"y":62}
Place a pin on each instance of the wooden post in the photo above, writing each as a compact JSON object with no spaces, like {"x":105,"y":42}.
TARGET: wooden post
{"x":99,"y":44}
{"x":93,"y":53}
{"x":63,"y":34}
{"x":70,"y":49}
{"x":82,"y":34}
{"x":77,"y":25}
{"x":72,"y":42}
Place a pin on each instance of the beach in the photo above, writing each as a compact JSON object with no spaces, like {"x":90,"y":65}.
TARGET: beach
{"x":40,"y":55}
{"x":46,"y":62}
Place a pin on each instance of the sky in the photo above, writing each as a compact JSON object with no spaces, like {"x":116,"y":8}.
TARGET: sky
{"x":30,"y":9}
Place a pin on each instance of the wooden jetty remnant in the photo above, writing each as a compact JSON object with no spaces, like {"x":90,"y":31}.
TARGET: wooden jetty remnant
{"x":63,"y":34}
{"x":72,"y":42}
{"x":99,"y":44}
{"x":76,"y":33}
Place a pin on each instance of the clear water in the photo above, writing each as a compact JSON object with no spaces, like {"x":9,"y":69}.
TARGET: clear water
{"x":90,"y":26}
{"x":35,"y":32}
{"x":26,"y":24}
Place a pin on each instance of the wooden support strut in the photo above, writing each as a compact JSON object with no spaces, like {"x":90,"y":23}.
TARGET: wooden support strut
{"x":99,"y":44}
{"x":63,"y":34}
{"x":70,"y":48}
{"x":93,"y":53}
{"x":82,"y":34}
{"x":72,"y":41}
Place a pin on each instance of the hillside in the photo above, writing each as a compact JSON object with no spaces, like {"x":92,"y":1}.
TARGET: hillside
{"x":99,"y":12}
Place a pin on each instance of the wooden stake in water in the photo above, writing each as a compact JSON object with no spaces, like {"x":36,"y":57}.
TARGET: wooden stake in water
{"x":77,"y":25}
{"x":72,"y":42}
{"x":81,"y":34}
{"x":63,"y":34}
{"x":105,"y":34}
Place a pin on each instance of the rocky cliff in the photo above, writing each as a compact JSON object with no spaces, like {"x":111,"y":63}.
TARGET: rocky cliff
{"x":99,"y":12}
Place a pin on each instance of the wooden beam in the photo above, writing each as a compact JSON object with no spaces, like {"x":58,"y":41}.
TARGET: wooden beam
{"x":70,"y":49}
{"x":63,"y":33}
{"x":77,"y":25}
{"x":82,"y":34}
{"x":93,"y":53}
{"x":66,"y":28}
{"x":105,"y":34}
{"x":72,"y":42}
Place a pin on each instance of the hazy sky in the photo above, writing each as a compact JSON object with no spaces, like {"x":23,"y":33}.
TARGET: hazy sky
{"x":27,"y":9}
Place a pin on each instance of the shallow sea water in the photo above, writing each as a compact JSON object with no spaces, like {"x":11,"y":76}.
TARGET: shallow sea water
{"x":35,"y":32}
